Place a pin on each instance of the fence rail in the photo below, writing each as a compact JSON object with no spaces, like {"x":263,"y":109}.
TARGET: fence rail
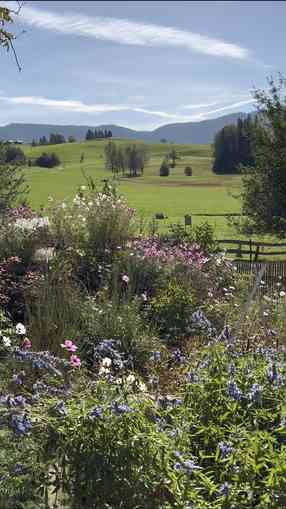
{"x":252,"y":248}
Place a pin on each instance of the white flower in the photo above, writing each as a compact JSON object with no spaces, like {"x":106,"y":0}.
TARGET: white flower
{"x":64,"y":206}
{"x":83,"y":188}
{"x":20,"y":329}
{"x":125,"y":278}
{"x":104,"y":371}
{"x":265,"y":313}
{"x":131,"y":379}
{"x":282,"y":294}
{"x":106,"y":362}
{"x":6,"y":341}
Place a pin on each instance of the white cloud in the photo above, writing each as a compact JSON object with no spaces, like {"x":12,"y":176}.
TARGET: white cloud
{"x":71,"y":106}
{"x":80,"y":107}
{"x":198,"y":106}
{"x":128,"y":32}
{"x":232,"y":106}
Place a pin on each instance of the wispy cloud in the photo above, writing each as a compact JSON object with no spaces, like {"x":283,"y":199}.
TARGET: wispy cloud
{"x":81,"y":107}
{"x":124,"y":31}
{"x":198,"y":106}
{"x":72,"y":106}
{"x":232,"y":106}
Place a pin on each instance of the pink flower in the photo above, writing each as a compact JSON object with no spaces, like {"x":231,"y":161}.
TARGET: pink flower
{"x":75,"y":361}
{"x":27,"y":343}
{"x":125,"y":278}
{"x":69,"y":345}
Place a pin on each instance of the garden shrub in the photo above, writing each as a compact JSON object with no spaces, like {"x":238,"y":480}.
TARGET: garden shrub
{"x":164,"y":169}
{"x":46,"y":160}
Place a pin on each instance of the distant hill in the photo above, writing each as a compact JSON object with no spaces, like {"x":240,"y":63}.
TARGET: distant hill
{"x":187,"y":132}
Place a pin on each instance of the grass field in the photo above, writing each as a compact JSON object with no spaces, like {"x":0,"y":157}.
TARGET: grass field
{"x":175,"y":196}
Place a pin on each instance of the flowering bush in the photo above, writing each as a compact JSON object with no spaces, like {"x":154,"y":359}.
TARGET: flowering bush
{"x":92,"y":230}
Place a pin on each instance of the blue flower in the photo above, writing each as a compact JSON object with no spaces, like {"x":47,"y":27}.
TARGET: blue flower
{"x":187,"y":466}
{"x":234,"y":391}
{"x":191,"y":377}
{"x":178,"y":357}
{"x":60,"y":409}
{"x":155,"y":356}
{"x":120,"y":409}
{"x":255,"y":394}
{"x":225,"y":334}
{"x":225,"y":449}
{"x":20,"y":401}
{"x":20,"y":424}
{"x":224,"y":489}
{"x":96,"y":412}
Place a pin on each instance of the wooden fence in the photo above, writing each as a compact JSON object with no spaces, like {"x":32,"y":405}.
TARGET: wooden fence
{"x":251,"y":248}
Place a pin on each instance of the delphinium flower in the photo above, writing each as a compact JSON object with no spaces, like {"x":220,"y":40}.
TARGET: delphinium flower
{"x":178,"y":357}
{"x":119,"y":409}
{"x":20,"y":424}
{"x":187,"y":466}
{"x":233,"y":390}
{"x":255,"y":394}
{"x":60,"y":409}
{"x":192,"y":377}
{"x":18,"y":378}
{"x":225,"y":449}
{"x":225,"y":335}
{"x":155,"y":356}
{"x":273,"y":375}
{"x":231,"y":369}
{"x":225,"y":489}
{"x":96,"y":412}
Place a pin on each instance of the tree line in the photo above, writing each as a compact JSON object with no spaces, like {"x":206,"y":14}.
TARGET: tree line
{"x":130,"y":158}
{"x":53,"y":139}
{"x":234,"y":146}
{"x":98,"y":134}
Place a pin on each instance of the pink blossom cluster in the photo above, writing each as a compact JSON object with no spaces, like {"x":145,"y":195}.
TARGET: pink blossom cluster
{"x":71,"y":347}
{"x":22,"y":212}
{"x":170,"y":254}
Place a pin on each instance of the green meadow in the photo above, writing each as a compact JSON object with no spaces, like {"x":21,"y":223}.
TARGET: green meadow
{"x":204,"y":193}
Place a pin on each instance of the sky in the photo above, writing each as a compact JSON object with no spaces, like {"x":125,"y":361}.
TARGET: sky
{"x":139,"y":64}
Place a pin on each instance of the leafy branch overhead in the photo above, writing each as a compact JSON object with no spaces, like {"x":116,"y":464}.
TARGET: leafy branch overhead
{"x":7,"y":37}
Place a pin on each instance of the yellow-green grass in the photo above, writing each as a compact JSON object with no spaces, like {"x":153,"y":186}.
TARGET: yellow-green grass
{"x":175,"y":196}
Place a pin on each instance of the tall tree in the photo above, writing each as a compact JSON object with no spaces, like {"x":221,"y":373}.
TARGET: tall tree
{"x":89,"y":135}
{"x":264,"y":187}
{"x":173,"y":155}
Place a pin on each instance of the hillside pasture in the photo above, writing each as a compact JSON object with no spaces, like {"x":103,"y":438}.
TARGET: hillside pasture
{"x":175,"y":196}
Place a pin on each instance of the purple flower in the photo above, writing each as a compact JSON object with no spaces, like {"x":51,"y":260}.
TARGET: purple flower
{"x":155,"y":356}
{"x":233,"y":390}
{"x":96,"y":412}
{"x":120,"y":409}
{"x":191,"y":377}
{"x":178,"y":357}
{"x":255,"y":394}
{"x":60,"y":409}
{"x":273,"y":375}
{"x":187,"y":466}
{"x":20,"y":424}
{"x":224,"y":489}
{"x":225,"y":449}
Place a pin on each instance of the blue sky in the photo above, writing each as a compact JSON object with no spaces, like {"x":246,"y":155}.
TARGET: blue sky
{"x":139,"y":64}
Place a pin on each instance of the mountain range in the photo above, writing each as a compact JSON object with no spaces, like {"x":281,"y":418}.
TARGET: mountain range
{"x":188,"y":132}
